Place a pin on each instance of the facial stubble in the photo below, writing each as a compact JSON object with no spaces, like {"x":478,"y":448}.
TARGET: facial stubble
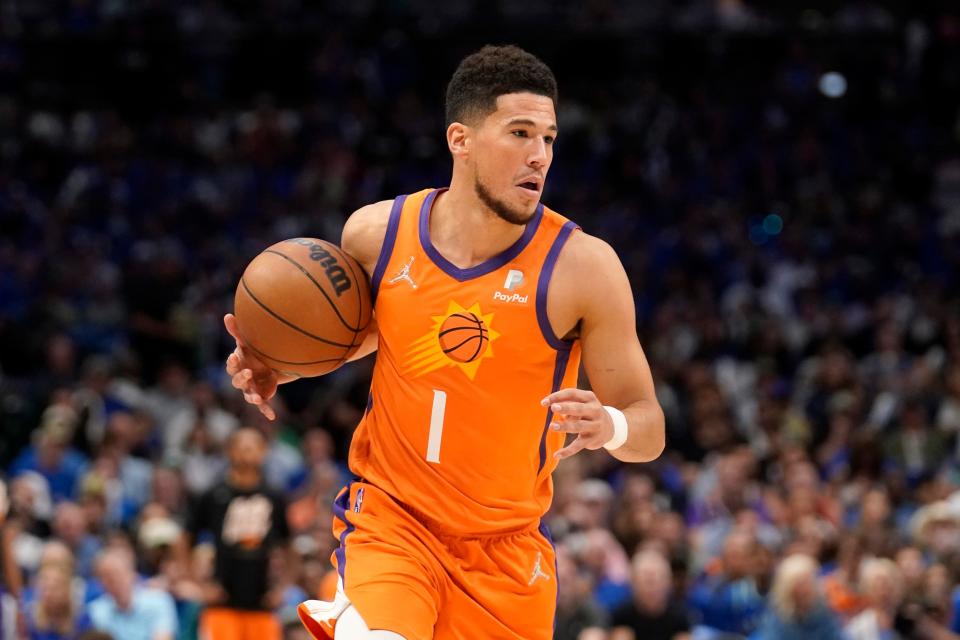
{"x":499,"y":207}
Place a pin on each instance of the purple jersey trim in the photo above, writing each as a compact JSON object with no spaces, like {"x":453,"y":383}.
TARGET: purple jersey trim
{"x":340,"y":507}
{"x":543,"y":284}
{"x":559,"y":369}
{"x":386,"y":250}
{"x":483,"y":268}
{"x":545,"y":532}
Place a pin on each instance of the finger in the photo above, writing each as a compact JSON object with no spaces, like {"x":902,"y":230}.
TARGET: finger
{"x":573,"y":410}
{"x":573,"y":448}
{"x":568,"y":426}
{"x":233,"y":364}
{"x":267,"y":411}
{"x":230,"y":322}
{"x":568,"y":395}
{"x":241,"y":379}
{"x":262,"y":405}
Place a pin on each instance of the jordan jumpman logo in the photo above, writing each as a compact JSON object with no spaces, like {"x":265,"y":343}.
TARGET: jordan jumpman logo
{"x":404,"y":274}
{"x":537,"y":571}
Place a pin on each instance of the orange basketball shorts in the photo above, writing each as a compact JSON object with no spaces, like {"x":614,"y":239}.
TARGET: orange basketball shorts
{"x":402,"y":575}
{"x":220,"y":623}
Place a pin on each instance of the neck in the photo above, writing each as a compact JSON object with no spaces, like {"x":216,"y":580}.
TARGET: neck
{"x":243,"y":478}
{"x":465,"y":230}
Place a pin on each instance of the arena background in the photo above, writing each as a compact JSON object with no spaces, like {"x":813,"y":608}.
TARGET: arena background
{"x":781,"y":182}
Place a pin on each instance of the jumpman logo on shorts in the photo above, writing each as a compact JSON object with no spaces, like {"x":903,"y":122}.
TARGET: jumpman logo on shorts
{"x":537,"y":571}
{"x":404,"y":274}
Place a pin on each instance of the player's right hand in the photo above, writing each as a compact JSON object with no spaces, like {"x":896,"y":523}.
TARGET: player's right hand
{"x":249,"y":374}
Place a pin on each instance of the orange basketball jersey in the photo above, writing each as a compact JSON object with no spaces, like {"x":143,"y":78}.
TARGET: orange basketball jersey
{"x":454,"y":429}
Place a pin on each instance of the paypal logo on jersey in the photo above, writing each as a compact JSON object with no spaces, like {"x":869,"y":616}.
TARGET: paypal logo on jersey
{"x":510,"y":297}
{"x":513,"y":280}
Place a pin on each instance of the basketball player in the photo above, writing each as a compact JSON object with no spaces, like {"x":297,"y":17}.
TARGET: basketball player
{"x":485,"y":301}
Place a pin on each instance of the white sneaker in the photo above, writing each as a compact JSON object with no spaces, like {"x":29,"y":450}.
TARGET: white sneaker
{"x":320,"y":616}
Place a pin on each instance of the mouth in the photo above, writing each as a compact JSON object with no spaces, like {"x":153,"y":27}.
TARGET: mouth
{"x":532,"y":186}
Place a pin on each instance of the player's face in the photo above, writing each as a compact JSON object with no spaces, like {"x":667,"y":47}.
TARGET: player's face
{"x":512,"y":153}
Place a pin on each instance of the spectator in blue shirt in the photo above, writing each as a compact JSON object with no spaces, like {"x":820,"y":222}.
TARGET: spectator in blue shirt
{"x":797,"y":609}
{"x":51,"y":456}
{"x":133,"y":475}
{"x":56,"y":614}
{"x":730,"y":602}
{"x":127,"y":610}
{"x":70,"y":526}
{"x":57,"y":554}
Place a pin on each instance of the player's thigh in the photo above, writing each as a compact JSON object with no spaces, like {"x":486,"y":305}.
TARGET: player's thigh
{"x":505,"y":589}
{"x":391,"y":593}
{"x":387,"y":564}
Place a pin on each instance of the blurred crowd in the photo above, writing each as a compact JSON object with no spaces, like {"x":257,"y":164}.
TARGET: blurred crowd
{"x":783,"y":189}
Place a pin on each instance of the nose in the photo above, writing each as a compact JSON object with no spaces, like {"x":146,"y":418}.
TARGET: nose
{"x":538,"y":157}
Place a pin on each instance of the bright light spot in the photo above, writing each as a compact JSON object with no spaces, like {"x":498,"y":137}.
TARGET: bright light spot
{"x":773,"y":224}
{"x":833,"y":84}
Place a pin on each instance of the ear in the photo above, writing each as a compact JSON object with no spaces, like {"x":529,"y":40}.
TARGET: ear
{"x":458,"y":140}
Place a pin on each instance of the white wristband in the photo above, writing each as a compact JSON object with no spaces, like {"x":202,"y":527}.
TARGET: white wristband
{"x":620,"y":429}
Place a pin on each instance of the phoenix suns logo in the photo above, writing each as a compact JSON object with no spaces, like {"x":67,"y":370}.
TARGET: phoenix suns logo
{"x":462,"y":338}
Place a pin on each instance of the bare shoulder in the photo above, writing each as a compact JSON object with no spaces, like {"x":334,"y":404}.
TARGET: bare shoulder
{"x":585,"y":252}
{"x":364,"y":232}
{"x":588,"y":279}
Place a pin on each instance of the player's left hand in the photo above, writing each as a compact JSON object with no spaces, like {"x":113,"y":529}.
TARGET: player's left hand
{"x":578,"y":411}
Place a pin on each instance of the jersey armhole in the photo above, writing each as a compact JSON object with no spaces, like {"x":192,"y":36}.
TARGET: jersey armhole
{"x":386,"y":249}
{"x":543,"y":285}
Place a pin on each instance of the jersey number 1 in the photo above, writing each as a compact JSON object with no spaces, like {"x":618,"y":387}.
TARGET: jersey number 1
{"x":436,"y":425}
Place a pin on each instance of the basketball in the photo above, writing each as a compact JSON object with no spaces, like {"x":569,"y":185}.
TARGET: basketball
{"x":463,"y":337}
{"x":303,"y":306}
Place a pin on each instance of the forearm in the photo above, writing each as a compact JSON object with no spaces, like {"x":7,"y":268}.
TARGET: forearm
{"x":11,"y":572}
{"x":369,"y":345}
{"x":646,"y":436}
{"x":370,"y":342}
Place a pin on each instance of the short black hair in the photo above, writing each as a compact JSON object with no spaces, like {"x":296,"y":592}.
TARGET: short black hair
{"x":491,"y":72}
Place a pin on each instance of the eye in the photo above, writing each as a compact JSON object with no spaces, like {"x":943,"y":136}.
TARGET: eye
{"x":549,"y":139}
{"x":520,"y":133}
